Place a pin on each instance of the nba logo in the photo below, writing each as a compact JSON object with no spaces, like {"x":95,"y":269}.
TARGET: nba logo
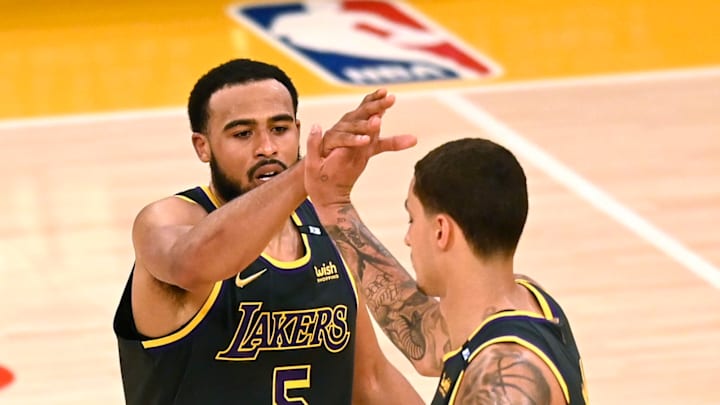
{"x":364,"y":42}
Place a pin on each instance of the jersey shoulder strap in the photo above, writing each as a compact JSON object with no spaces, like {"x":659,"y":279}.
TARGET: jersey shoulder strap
{"x":310,"y":223}
{"x":200,"y":196}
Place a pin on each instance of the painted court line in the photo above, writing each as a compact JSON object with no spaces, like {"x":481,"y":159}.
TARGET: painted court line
{"x":514,"y":141}
{"x":180,"y":111}
{"x":91,"y":118}
{"x":583,"y":188}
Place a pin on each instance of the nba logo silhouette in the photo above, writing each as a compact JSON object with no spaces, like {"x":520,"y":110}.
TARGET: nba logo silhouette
{"x":364,"y":42}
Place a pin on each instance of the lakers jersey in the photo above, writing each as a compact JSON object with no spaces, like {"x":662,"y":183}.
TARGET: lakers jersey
{"x":276,"y":333}
{"x":548,"y":335}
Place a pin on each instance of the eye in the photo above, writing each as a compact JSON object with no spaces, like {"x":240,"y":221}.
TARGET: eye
{"x":243,"y":134}
{"x":279,"y":130}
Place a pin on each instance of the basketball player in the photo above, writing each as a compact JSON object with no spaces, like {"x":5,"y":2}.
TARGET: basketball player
{"x":507,"y":340}
{"x":237,"y":294}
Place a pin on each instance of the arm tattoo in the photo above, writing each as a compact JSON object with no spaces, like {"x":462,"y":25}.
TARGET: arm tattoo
{"x":504,"y":374}
{"x":408,"y":317}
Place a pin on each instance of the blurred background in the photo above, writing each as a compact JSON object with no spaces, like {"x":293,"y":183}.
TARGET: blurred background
{"x":611,"y":106}
{"x":63,"y":57}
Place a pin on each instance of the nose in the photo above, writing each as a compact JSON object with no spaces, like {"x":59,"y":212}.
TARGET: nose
{"x":407,"y":238}
{"x":266,"y":144}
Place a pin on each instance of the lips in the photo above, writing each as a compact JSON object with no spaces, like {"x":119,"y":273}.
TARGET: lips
{"x":266,"y":171}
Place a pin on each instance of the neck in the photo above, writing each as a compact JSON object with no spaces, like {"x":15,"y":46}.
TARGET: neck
{"x":285,"y":245}
{"x":477,"y":290}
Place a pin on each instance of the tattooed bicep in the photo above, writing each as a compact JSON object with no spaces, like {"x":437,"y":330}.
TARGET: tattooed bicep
{"x":505,"y":374}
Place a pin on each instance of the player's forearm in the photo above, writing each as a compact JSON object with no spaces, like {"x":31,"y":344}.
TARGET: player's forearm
{"x":233,"y":236}
{"x":408,"y":317}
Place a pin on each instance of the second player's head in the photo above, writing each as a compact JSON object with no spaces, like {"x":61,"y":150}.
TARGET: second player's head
{"x":477,"y":184}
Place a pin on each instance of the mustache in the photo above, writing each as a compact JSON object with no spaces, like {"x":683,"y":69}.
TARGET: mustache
{"x":258,"y":165}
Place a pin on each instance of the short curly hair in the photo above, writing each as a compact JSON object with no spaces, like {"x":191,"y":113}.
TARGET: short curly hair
{"x":482,"y":186}
{"x":236,"y":71}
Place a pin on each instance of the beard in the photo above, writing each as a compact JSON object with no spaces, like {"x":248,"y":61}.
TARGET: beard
{"x":226,"y":188}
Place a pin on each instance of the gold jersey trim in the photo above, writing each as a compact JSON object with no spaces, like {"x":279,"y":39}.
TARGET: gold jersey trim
{"x":547,"y":314}
{"x":280,"y":264}
{"x":174,"y":337}
{"x":524,"y":343}
{"x":190,"y":200}
{"x":213,"y":198}
{"x":294,"y":264}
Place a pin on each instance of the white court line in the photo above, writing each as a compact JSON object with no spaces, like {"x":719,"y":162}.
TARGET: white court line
{"x":583,"y":188}
{"x":92,"y":118}
{"x":180,"y":111}
{"x":512,"y":139}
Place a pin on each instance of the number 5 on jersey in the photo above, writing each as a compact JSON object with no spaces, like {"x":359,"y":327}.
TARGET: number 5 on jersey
{"x":287,"y":378}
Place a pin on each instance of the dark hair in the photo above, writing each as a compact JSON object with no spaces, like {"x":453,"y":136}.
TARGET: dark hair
{"x":481,"y":185}
{"x":236,"y":71}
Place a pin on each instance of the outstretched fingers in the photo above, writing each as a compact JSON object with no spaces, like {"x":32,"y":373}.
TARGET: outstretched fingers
{"x":341,"y":139}
{"x":360,"y":126}
{"x":351,"y":133}
{"x":376,"y":103}
{"x":396,"y":143}
{"x":374,"y":96}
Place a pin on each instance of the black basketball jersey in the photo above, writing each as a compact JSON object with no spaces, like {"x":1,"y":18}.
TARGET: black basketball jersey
{"x":276,"y":333}
{"x":547,"y":335}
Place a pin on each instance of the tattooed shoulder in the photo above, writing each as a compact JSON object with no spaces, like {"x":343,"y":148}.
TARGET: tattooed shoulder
{"x":505,"y":373}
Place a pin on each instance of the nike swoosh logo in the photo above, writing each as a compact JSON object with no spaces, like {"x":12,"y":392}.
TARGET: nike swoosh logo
{"x":242,"y":282}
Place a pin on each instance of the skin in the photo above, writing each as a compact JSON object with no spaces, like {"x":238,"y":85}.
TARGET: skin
{"x":181,"y":251}
{"x":411,"y":319}
{"x":470,"y":288}
{"x":508,"y":374}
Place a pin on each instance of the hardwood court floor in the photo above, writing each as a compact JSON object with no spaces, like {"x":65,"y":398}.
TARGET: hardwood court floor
{"x":623,"y":170}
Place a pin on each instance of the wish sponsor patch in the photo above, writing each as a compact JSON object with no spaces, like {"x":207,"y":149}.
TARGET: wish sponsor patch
{"x":365,"y":42}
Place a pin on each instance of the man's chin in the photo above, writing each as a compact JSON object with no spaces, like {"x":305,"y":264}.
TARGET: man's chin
{"x":429,"y":291}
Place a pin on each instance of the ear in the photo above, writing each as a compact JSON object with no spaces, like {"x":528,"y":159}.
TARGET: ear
{"x":443,"y":231}
{"x":202,"y":146}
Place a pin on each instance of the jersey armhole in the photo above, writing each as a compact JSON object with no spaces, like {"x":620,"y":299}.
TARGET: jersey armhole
{"x":190,"y":325}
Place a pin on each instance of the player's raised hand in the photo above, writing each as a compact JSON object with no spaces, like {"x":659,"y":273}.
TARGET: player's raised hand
{"x":329,"y":179}
{"x":356,"y":127}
